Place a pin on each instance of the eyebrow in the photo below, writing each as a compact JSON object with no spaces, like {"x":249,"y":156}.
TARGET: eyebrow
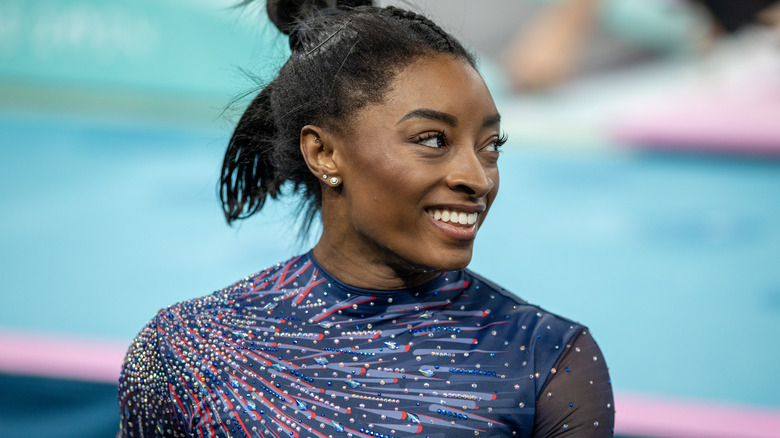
{"x":495,"y":119}
{"x":425,"y":113}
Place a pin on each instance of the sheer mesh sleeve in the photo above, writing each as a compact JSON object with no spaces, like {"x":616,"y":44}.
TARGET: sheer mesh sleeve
{"x":145,"y":403}
{"x":577,"y":397}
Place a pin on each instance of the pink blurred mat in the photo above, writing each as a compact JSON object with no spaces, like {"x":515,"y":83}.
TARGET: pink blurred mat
{"x":736,"y":117}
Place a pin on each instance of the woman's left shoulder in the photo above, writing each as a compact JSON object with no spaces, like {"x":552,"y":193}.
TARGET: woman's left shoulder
{"x":543,"y":332}
{"x":511,"y":306}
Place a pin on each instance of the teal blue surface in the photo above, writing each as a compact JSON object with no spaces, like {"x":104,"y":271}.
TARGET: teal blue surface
{"x":154,"y":47}
{"x":671,"y":260}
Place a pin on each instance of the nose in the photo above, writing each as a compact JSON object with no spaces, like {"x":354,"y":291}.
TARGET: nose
{"x":470,"y":174}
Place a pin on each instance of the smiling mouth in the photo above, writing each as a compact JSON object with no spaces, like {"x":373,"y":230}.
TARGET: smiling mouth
{"x":454,"y":217}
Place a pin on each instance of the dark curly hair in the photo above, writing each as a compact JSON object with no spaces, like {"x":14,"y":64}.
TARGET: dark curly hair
{"x":344,"y":56}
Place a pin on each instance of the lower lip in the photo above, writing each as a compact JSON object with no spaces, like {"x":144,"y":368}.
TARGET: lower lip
{"x":454,"y":231}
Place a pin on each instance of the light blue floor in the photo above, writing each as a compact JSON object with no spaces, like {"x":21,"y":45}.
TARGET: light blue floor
{"x":673,"y":261}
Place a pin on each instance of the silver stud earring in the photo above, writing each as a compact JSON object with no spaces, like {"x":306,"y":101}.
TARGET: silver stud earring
{"x":324,"y":176}
{"x":334,"y":181}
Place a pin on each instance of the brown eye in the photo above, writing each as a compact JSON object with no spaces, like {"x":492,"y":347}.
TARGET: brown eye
{"x":495,"y":145}
{"x":432,"y":139}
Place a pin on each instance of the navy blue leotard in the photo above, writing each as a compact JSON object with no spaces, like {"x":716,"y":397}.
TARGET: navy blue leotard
{"x":293,"y":352}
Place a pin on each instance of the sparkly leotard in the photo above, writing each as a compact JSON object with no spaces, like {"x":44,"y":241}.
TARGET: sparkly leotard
{"x":293,"y":352}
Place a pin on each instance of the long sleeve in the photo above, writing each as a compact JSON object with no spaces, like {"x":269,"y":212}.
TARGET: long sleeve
{"x":577,"y":398}
{"x":144,"y":398}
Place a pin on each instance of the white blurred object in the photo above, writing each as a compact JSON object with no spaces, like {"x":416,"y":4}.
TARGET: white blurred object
{"x":729,"y":101}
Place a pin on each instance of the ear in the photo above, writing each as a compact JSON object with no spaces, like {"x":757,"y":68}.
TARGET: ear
{"x":317,"y":147}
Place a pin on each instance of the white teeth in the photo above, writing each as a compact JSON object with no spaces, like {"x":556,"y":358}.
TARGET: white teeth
{"x":455,"y":217}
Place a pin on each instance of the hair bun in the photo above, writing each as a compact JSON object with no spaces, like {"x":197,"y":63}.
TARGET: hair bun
{"x":285,"y":14}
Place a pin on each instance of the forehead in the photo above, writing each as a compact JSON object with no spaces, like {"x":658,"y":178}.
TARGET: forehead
{"x":440,"y":82}
{"x":435,"y":67}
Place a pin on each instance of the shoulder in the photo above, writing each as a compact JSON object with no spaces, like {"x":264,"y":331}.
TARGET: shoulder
{"x":142,"y":354}
{"x":165,"y":361}
{"x":174,"y":328}
{"x":539,"y":336}
{"x":217,"y":306}
{"x":519,"y":309}
{"x":144,"y":395}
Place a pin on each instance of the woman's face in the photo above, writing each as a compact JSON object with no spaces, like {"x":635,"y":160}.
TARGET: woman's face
{"x":419,"y":170}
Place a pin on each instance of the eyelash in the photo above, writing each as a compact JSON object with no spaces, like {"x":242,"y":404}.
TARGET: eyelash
{"x":442,"y":139}
{"x":500,"y":141}
{"x":438,"y":135}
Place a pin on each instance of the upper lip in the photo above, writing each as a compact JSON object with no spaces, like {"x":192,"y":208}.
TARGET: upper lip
{"x":465,"y":208}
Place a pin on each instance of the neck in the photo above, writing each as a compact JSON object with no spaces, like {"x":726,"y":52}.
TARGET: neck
{"x":369,"y":271}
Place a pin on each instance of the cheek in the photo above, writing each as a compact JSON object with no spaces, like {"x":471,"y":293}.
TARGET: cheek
{"x":496,"y":180}
{"x":385,"y":202}
{"x":375,"y":180}
{"x":493,"y":174}
{"x":378,"y":171}
{"x":372,"y":188}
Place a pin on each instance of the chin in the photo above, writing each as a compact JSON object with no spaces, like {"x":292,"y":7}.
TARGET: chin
{"x":435,"y":257}
{"x":451,"y":260}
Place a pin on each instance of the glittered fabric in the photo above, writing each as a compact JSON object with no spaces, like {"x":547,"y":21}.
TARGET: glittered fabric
{"x":293,"y":352}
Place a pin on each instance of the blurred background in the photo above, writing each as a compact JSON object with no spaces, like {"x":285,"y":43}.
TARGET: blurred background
{"x":640,"y":191}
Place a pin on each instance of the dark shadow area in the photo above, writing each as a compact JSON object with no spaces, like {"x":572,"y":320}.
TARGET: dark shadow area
{"x":36,"y":407}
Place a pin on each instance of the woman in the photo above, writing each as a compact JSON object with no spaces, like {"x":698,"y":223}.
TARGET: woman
{"x":381,"y":121}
